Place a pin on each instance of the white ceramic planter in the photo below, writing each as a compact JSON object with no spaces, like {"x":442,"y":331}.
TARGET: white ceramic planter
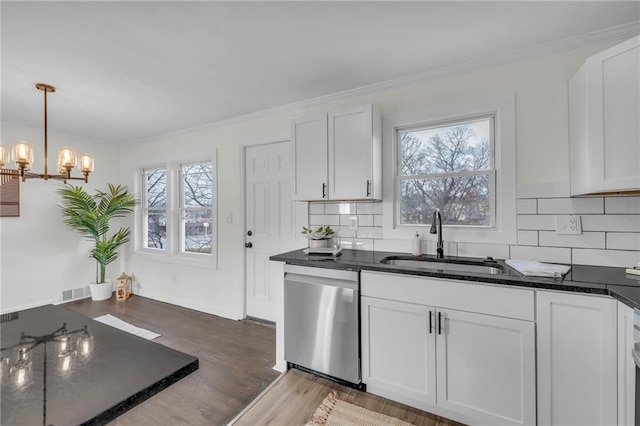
{"x":101,"y":291}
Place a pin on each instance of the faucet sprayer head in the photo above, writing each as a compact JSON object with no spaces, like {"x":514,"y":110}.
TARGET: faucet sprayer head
{"x":433,"y":229}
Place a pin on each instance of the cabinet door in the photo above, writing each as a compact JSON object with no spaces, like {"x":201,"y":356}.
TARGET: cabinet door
{"x":398,"y":350}
{"x":626,"y":367}
{"x":604,"y":136}
{"x":309,"y":136}
{"x":486,"y":367}
{"x":620,"y":67}
{"x":354,"y":153}
{"x":577,"y":371}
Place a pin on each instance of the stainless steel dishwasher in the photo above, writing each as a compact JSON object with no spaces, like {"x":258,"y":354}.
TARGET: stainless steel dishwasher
{"x":321,"y":321}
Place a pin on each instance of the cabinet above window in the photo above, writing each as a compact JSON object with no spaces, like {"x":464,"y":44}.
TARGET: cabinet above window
{"x":338,"y":155}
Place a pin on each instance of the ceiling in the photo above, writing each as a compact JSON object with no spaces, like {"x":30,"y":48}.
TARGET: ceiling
{"x":128,"y":71}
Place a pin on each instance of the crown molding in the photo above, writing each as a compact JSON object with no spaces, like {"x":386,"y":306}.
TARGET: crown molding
{"x":615,"y":33}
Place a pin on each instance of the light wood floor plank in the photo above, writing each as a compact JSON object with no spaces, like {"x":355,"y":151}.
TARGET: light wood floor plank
{"x":295,"y":397}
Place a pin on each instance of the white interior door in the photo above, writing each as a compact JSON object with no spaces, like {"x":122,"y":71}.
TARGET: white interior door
{"x":273,"y":220}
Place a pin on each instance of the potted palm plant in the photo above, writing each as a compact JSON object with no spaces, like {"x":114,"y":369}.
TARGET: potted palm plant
{"x":90,"y":215}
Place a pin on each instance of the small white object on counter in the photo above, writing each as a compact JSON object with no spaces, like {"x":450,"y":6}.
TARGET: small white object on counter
{"x":634,"y":271}
{"x":533,"y":268}
{"x":417,"y":245}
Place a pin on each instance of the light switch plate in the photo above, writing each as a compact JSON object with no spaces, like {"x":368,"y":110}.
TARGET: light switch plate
{"x":568,"y":225}
{"x":353,"y":223}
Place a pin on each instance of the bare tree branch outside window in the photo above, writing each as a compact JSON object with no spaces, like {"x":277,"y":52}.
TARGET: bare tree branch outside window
{"x":449,"y":168}
{"x":197,"y":207}
{"x":155,"y":205}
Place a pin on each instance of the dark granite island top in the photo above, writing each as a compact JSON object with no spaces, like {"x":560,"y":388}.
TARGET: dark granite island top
{"x":79,"y":384}
{"x":581,"y":278}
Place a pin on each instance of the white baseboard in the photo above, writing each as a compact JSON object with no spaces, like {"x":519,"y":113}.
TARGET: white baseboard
{"x":188,"y":304}
{"x":30,"y":305}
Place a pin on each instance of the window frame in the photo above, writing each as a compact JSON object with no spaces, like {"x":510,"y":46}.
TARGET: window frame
{"x":174,"y":252}
{"x":504,"y":231}
{"x":146,"y":209}
{"x":490,"y":172}
{"x":182,"y":208}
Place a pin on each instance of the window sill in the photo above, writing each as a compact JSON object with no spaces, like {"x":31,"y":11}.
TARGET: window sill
{"x":208,"y":262}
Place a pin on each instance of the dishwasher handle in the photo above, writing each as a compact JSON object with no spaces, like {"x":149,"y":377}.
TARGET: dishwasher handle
{"x":290,"y":278}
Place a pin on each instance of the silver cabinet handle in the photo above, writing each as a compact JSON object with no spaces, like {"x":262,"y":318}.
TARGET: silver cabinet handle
{"x":368,"y":188}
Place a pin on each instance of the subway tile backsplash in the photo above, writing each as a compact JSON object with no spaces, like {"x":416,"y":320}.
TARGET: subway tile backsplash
{"x":610,"y":231}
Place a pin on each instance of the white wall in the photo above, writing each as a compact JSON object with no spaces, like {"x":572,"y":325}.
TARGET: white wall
{"x":540,"y":86}
{"x":40,"y":257}
{"x":35,"y":269}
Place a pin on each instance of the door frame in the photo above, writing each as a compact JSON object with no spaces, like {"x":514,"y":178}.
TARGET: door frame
{"x":243,"y":205}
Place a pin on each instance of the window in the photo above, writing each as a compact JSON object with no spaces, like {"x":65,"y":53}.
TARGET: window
{"x":155,"y":208}
{"x":447,"y":166}
{"x":177,"y":214}
{"x":196,"y":208}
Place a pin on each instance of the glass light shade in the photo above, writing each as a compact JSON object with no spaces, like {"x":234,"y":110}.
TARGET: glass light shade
{"x":21,"y":371}
{"x":66,"y":158}
{"x":4,"y":156}
{"x":22,"y":152}
{"x":64,"y":344}
{"x":84,"y":346}
{"x":86,"y":163}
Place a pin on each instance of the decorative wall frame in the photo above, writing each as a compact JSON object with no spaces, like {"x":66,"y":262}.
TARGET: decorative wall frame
{"x":9,"y":196}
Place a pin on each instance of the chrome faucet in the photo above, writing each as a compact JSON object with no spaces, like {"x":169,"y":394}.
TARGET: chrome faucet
{"x":437,"y":216}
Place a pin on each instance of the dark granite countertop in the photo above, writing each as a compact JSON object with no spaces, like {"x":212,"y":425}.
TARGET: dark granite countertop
{"x":79,"y":384}
{"x":581,"y":278}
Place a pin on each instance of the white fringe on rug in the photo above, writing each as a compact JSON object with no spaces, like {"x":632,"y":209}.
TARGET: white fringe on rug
{"x":335,"y":412}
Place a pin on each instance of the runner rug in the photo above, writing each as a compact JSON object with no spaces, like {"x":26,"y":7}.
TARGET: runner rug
{"x":334,"y":411}
{"x":125,"y":326}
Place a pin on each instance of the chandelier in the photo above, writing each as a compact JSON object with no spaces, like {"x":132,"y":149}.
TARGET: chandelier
{"x":22,"y":155}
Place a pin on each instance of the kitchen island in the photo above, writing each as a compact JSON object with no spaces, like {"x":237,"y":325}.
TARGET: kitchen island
{"x":62,"y":368}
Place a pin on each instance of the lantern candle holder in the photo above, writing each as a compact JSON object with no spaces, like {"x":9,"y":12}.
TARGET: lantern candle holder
{"x":123,"y":290}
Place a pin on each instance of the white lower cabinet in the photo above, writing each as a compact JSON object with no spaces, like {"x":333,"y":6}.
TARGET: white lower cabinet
{"x":468,"y":366}
{"x":398,"y":350}
{"x":486,"y":368}
{"x":626,"y":367}
{"x":577,"y":365}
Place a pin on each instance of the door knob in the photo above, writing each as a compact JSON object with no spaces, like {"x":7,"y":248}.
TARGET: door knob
{"x":248,"y":245}
{"x":249,"y":233}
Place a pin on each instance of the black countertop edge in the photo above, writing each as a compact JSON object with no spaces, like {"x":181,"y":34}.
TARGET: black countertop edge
{"x":135,"y":399}
{"x":601,"y":280}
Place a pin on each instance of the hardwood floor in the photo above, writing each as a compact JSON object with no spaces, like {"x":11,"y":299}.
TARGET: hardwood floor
{"x":236,"y":361}
{"x":294,"y":398}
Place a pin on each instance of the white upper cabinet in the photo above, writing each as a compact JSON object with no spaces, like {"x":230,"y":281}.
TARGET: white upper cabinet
{"x":355,"y":144}
{"x":338,"y":155}
{"x":310,"y":153}
{"x":604,"y":117}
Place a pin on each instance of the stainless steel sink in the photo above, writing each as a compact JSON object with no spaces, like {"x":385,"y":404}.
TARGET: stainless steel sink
{"x":447,"y":266}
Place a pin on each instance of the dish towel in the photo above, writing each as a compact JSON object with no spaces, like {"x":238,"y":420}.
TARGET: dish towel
{"x":533,"y":268}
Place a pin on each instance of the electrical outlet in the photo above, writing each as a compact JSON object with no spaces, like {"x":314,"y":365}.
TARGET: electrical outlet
{"x":353,"y":223}
{"x":568,"y":225}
